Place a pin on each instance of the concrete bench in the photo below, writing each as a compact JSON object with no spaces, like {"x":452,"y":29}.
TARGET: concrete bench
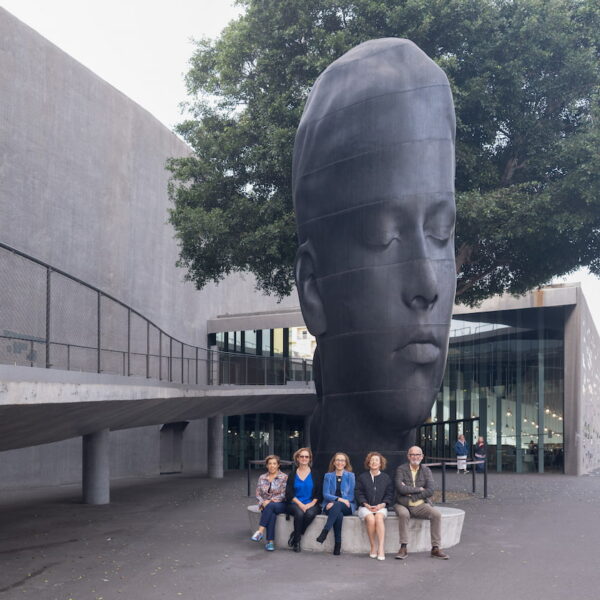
{"x":354,"y":533}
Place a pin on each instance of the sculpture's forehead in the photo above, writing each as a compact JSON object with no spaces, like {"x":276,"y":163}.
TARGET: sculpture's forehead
{"x":385,"y":110}
{"x":402,"y":173}
{"x":374,"y":68}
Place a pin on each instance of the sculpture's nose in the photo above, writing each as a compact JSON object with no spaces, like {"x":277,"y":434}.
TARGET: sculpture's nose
{"x":420,"y":289}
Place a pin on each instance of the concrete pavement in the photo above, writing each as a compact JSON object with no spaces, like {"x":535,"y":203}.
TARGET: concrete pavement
{"x":179,"y":536}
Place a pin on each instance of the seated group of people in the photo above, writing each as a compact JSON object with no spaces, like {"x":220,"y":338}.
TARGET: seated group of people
{"x":305,"y":494}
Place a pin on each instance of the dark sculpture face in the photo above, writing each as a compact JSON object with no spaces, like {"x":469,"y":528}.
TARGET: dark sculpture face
{"x":374,"y":198}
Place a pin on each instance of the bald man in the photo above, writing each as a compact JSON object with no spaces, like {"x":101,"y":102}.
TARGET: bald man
{"x":414,"y":488}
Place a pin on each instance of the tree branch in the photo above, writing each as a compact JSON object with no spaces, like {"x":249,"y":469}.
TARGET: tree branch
{"x":471,"y":282}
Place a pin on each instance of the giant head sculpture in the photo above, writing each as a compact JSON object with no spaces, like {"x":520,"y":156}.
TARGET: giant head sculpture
{"x":373,"y":187}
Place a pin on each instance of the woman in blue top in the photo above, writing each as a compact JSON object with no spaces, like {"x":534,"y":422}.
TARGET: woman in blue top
{"x":338,"y":497}
{"x":303,"y":492}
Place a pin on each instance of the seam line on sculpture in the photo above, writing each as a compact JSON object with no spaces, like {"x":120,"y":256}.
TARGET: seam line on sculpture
{"x":392,"y":264}
{"x":365,"y":100}
{"x":390,"y":146}
{"x":425,"y":328}
{"x":375,"y":203}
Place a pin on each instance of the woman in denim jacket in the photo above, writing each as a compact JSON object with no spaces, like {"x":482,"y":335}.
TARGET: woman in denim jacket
{"x":338,"y":497}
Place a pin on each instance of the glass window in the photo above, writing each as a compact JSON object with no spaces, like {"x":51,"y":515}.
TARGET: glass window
{"x":278,"y":342}
{"x":266,"y":342}
{"x":220,"y":340}
{"x":495,"y":364}
{"x":250,"y":342}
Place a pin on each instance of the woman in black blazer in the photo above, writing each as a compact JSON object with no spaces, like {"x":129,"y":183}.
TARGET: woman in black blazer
{"x":303,"y":494}
{"x":374,"y":493}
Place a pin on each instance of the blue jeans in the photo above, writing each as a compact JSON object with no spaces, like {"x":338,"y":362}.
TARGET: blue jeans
{"x":335,"y":517}
{"x":268,"y":517}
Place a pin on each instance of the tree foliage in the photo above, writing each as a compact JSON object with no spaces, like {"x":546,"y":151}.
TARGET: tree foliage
{"x":525,"y":76}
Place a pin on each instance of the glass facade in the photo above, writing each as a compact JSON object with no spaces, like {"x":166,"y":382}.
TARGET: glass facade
{"x":294,"y":342}
{"x":264,"y":356}
{"x":504,"y":380}
{"x":255,"y":436}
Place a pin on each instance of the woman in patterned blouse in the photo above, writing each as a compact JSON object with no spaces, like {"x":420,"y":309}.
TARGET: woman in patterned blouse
{"x":270,"y":493}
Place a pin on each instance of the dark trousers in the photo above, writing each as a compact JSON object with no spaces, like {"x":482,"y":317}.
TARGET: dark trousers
{"x":268,"y":517}
{"x":302,"y":519}
{"x":335,"y":517}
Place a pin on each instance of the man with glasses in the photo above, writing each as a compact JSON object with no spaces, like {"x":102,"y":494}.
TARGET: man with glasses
{"x":414,"y":488}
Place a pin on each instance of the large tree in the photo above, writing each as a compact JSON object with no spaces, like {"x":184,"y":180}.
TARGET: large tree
{"x":525,"y":76}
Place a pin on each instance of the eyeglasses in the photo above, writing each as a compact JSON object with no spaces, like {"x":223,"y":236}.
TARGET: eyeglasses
{"x":415,"y":455}
{"x":303,"y":456}
{"x":340,"y":460}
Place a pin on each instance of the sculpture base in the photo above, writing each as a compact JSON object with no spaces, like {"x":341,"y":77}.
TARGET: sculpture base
{"x":354,"y":534}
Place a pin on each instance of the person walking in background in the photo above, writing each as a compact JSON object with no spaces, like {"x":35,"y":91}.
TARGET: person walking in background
{"x":338,"y":498}
{"x":270,"y":493}
{"x":375,"y":492}
{"x":303,"y":492}
{"x":462,"y":451}
{"x":480,"y":453}
{"x":533,"y":450}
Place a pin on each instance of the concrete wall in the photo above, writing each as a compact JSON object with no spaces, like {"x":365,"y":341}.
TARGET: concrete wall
{"x":589,"y":418}
{"x":133,"y":453}
{"x":572,"y":390}
{"x":50,"y":464}
{"x":195,"y":456}
{"x":84,"y":187}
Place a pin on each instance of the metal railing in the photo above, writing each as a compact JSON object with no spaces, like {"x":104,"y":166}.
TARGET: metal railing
{"x":53,"y":320}
{"x":444,"y":462}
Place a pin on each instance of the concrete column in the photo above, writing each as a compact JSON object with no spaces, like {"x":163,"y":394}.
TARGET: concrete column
{"x":573,"y":390}
{"x":215,"y":447}
{"x":96,"y":468}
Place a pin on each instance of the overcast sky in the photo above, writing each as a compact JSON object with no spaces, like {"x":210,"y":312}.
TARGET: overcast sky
{"x":140,"y":47}
{"x":143,"y":48}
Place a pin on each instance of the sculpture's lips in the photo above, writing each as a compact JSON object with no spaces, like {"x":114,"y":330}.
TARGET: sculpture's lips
{"x":421,"y":353}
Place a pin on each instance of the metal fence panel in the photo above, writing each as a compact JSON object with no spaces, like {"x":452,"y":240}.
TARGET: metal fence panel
{"x":22,"y":311}
{"x":50,"y":319}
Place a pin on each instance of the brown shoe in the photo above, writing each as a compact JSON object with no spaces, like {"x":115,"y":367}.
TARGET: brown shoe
{"x":402,"y":554}
{"x":438,"y":553}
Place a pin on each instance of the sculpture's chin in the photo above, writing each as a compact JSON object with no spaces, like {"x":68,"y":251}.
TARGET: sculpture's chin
{"x":375,"y":415}
{"x":401,"y":410}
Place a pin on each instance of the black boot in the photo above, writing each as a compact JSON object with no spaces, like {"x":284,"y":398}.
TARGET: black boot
{"x":291,"y":539}
{"x":323,"y":535}
{"x":297,"y":547}
{"x":337,"y":548}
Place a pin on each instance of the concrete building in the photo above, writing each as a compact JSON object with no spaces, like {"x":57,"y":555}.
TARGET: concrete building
{"x":104,"y":367}
{"x":84,"y":191}
{"x":522,"y":372}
